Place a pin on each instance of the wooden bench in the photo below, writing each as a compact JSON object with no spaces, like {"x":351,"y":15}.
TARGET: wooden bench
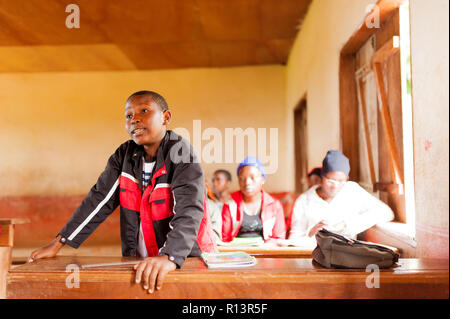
{"x":270,"y":278}
{"x":6,"y":245}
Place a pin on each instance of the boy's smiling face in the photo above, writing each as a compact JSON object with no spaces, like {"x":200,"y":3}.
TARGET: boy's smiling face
{"x":145,"y":121}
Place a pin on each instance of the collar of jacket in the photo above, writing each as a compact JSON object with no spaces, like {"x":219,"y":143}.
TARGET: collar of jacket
{"x":266,"y":201}
{"x":140,"y":152}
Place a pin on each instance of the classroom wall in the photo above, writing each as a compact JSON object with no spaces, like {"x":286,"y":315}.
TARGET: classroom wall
{"x":430,"y":82}
{"x":313,"y":71}
{"x":57,"y":130}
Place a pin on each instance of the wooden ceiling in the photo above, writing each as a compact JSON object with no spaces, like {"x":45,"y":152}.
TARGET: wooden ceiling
{"x":146,"y":34}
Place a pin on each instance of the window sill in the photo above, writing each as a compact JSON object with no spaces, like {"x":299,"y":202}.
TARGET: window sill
{"x":395,"y":234}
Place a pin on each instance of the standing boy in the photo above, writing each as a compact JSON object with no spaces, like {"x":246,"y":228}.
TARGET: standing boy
{"x":158,"y":183}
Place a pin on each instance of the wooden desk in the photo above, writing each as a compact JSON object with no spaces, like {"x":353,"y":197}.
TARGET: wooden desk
{"x":271,"y":278}
{"x":271,"y":251}
{"x":6,"y":244}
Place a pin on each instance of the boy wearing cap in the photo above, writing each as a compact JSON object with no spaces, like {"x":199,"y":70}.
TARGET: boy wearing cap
{"x":252,"y":211}
{"x":336,"y":204}
{"x":161,"y":196}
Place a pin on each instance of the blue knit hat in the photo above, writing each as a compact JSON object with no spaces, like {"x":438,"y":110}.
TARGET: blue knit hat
{"x":335,"y":161}
{"x":252,"y":161}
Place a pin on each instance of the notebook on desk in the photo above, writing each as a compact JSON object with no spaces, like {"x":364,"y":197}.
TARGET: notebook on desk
{"x":228,"y":259}
{"x":243,"y":241}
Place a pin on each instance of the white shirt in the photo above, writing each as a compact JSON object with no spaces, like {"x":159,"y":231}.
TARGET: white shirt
{"x":146,"y":177}
{"x":215,"y":214}
{"x":352,"y":211}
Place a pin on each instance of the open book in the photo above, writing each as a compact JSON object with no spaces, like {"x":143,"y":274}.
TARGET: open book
{"x":307,"y":243}
{"x":244,"y":241}
{"x":228,"y":259}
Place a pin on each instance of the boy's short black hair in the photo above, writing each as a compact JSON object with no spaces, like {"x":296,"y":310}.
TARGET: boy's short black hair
{"x":315,"y":171}
{"x":155,"y":96}
{"x":224,"y":172}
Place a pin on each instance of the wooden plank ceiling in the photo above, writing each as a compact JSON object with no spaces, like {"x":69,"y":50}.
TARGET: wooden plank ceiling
{"x":146,"y":34}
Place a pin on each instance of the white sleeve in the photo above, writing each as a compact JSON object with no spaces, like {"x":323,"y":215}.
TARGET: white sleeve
{"x":371,"y":211}
{"x":215,"y":213}
{"x":300,"y":224}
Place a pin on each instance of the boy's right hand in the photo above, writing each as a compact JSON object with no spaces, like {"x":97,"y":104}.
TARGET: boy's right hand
{"x":47,"y":251}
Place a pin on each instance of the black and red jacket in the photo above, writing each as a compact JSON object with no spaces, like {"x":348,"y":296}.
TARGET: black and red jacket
{"x":172,"y":209}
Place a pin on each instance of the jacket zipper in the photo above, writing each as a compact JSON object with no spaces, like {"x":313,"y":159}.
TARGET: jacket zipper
{"x":352,"y":242}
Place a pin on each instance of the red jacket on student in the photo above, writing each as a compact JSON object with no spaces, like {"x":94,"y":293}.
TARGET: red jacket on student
{"x":272,"y":217}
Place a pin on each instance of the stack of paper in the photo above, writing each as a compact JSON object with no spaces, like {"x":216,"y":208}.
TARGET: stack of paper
{"x":228,"y":259}
{"x":307,"y":243}
{"x":244,"y":241}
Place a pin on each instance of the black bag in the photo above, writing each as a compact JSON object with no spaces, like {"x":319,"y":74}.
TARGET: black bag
{"x":338,"y":251}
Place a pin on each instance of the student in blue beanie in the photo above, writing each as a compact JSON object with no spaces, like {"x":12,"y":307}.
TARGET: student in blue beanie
{"x":336,"y":204}
{"x":253,"y":213}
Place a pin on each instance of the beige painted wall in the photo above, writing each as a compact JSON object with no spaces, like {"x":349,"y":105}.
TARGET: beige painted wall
{"x":313,"y":70}
{"x":430,"y":82}
{"x":57,"y":130}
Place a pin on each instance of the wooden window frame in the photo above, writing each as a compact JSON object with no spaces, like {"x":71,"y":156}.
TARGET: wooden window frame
{"x":349,"y":99}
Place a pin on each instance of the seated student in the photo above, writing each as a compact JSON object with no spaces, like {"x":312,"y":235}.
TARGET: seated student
{"x":253,"y":212}
{"x":221,"y":182}
{"x":161,"y":196}
{"x":314,"y":177}
{"x":209,"y":193}
{"x":337,"y":204}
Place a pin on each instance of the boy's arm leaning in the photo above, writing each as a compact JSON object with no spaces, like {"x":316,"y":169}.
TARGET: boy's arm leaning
{"x":100,"y":202}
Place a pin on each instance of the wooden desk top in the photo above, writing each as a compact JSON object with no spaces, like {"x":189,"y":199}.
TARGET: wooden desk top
{"x":13,"y":221}
{"x":270,"y":278}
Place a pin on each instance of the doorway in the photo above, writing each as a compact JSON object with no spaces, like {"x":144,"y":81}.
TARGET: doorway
{"x":301,"y":147}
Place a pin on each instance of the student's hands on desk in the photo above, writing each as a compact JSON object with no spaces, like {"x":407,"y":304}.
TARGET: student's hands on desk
{"x":47,"y":251}
{"x":152,"y":271}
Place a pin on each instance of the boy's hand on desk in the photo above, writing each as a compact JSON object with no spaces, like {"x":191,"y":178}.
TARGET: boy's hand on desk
{"x":153,"y":270}
{"x":47,"y":251}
